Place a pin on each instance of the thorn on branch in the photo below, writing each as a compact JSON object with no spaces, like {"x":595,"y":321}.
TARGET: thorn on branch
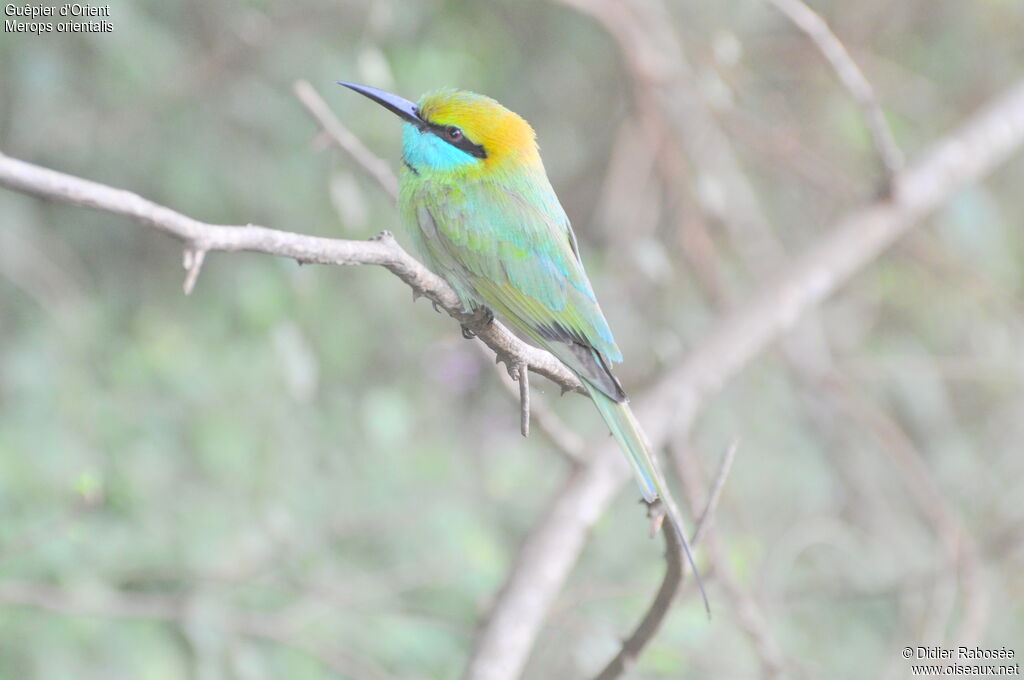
{"x":656,"y":514}
{"x":192,"y":260}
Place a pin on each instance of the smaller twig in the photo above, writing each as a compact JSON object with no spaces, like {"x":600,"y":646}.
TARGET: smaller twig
{"x":652,"y":620}
{"x":192,"y":261}
{"x":374,"y":166}
{"x":716,"y":490}
{"x":565,"y":440}
{"x":655,"y":615}
{"x":852,"y":78}
{"x":524,"y":399}
{"x":744,"y":607}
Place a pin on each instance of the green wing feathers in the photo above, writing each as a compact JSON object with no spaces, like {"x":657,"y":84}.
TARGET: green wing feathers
{"x":508,"y":245}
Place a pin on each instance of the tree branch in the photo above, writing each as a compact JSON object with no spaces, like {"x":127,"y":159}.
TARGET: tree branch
{"x":651,"y":622}
{"x":807,"y":20}
{"x":741,"y":605}
{"x":653,"y":52}
{"x":200,"y":237}
{"x":704,"y":521}
{"x":553,"y":545}
{"x":655,"y":615}
{"x":566,"y":441}
{"x":373,"y":165}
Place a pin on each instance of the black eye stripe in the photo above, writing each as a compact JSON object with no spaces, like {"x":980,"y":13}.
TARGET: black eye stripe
{"x":463,"y":143}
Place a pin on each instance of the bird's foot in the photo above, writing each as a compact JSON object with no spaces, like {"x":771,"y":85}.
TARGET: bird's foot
{"x":474,"y":321}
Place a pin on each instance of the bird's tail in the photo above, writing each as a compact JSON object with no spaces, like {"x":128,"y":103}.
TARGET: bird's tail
{"x":626,"y":431}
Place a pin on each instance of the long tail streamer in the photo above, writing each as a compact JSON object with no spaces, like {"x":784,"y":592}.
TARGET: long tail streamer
{"x":626,"y":431}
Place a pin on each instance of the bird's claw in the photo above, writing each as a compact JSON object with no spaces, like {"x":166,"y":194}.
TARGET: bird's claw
{"x":479,"y":318}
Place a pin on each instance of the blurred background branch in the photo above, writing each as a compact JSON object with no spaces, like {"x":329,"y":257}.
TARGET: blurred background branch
{"x":373,"y":165}
{"x":634,"y":645}
{"x":554,"y":543}
{"x":807,"y":20}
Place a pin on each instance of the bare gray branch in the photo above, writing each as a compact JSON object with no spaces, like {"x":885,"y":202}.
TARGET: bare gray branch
{"x":382,"y":250}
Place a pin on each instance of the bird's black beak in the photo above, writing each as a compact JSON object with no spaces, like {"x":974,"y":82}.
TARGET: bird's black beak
{"x":404,"y":108}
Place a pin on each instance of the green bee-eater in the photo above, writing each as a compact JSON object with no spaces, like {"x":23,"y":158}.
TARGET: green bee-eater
{"x":476,"y":200}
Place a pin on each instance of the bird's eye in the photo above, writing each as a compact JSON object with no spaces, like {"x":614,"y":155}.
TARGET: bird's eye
{"x":453,"y":133}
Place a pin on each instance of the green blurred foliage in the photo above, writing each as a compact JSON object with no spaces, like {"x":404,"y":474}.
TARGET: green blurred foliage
{"x":303,"y":453}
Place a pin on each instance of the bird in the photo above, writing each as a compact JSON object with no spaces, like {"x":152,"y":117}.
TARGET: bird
{"x":477,"y":202}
